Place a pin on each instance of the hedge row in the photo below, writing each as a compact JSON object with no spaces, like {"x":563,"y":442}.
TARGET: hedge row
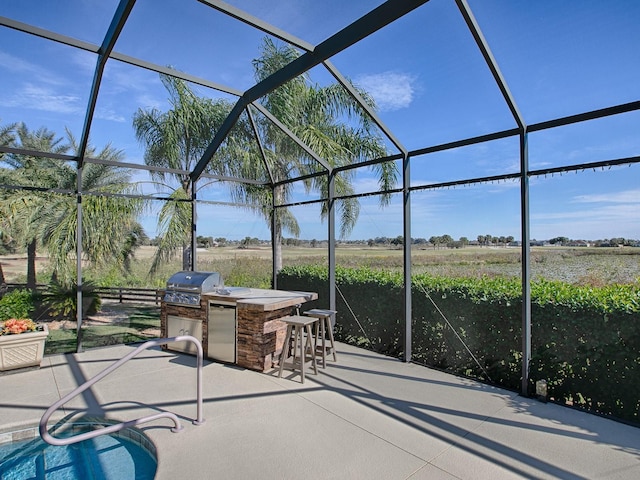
{"x":585,"y":340}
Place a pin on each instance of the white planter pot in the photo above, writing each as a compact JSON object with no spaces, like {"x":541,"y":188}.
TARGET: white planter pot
{"x":22,"y":350}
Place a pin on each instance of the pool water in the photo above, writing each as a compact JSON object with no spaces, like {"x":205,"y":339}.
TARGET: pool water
{"x":118,"y":456}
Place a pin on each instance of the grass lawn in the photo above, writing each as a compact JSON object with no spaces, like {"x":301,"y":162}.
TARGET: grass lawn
{"x":122,"y":323}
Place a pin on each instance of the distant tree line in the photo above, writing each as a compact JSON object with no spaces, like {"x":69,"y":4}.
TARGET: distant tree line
{"x":443,"y":241}
{"x":435,"y":241}
{"x":607,"y":242}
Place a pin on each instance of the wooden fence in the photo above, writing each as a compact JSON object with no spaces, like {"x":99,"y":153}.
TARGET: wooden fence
{"x":129,"y":294}
{"x":122,"y":294}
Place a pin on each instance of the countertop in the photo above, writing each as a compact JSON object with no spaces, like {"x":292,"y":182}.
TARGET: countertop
{"x":260,"y":299}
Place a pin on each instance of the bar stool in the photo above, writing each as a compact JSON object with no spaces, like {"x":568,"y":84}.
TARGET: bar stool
{"x":324,"y":322}
{"x":299,"y":330}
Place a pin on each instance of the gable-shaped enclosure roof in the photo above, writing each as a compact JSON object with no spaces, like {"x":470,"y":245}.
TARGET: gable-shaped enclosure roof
{"x":507,"y":69}
{"x":456,"y":92}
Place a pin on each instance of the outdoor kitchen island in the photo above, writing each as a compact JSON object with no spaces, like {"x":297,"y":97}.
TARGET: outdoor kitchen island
{"x":259,"y":330}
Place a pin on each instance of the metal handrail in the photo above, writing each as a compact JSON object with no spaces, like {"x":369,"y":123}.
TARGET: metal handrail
{"x":47,"y":437}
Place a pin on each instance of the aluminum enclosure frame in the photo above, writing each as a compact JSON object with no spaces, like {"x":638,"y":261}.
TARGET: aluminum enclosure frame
{"x":315,"y":55}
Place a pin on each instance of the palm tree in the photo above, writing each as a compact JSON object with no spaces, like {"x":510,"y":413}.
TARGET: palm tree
{"x":50,"y":219}
{"x":6,"y":139}
{"x":35,"y":172}
{"x":109,"y":220}
{"x":318,"y":116}
{"x":177,"y":139}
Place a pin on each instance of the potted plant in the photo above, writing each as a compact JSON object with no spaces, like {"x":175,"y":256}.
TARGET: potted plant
{"x":21,"y":339}
{"x":21,"y":343}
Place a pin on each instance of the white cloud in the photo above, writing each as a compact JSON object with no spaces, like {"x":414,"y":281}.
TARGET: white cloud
{"x":147,"y":101}
{"x":46,"y":92}
{"x":391,"y":90}
{"x":607,"y":214}
{"x":85,"y":61}
{"x":42,"y":98}
{"x":119,"y":77}
{"x":17,"y":65}
{"x":366,"y":184}
{"x":594,"y":223}
{"x":627,"y":196}
{"x":109,"y":114}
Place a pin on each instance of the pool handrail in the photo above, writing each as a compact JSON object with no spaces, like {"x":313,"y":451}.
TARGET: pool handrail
{"x":50,"y":439}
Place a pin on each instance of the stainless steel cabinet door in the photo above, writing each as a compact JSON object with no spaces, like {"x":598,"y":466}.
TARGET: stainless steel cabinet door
{"x":222,"y":332}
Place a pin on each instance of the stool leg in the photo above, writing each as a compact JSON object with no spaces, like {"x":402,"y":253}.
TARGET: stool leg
{"x":319,"y":331}
{"x":302,"y":355}
{"x":285,"y":350}
{"x":294,"y":342}
{"x":333,"y":345}
{"x":324,"y":342}
{"x":311,"y":346}
{"x":291,"y":344}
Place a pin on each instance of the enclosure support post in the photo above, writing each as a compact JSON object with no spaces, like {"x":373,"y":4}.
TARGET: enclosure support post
{"x":331,"y":237}
{"x":474,"y":28}
{"x":79,"y":258}
{"x":406,"y":206}
{"x":526,"y":260}
{"x":194,"y":238}
{"x":274,"y":266}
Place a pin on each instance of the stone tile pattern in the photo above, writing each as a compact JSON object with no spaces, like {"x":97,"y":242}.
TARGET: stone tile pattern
{"x":260,"y":337}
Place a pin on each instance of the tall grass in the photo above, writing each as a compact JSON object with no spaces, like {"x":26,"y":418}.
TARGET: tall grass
{"x":577,"y":266}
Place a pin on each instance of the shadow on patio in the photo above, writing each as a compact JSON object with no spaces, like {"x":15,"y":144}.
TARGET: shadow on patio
{"x":367,"y":416}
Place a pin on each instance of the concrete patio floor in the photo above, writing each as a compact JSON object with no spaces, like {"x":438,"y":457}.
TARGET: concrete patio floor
{"x":365,"y":417}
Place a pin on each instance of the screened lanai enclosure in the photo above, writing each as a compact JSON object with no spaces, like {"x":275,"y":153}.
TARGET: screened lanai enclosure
{"x":504,"y":133}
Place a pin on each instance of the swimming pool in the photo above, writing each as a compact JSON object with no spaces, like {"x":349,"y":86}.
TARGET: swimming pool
{"x":127,"y":454}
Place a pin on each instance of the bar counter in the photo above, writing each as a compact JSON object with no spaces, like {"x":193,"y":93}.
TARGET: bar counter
{"x":259,"y":333}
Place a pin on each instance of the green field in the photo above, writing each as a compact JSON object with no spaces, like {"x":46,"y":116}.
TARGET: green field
{"x":581,"y":266}
{"x":594,"y":266}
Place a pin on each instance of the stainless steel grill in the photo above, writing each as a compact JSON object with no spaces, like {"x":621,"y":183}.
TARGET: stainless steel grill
{"x":186,"y":288}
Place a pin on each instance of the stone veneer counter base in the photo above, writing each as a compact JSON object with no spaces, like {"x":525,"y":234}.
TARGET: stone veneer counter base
{"x":260,"y":330}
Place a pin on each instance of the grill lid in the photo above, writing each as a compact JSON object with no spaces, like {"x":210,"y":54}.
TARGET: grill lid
{"x":184,"y":288}
{"x":197,"y":282}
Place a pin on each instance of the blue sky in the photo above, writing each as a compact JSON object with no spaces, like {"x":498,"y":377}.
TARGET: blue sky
{"x":427,"y":76}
